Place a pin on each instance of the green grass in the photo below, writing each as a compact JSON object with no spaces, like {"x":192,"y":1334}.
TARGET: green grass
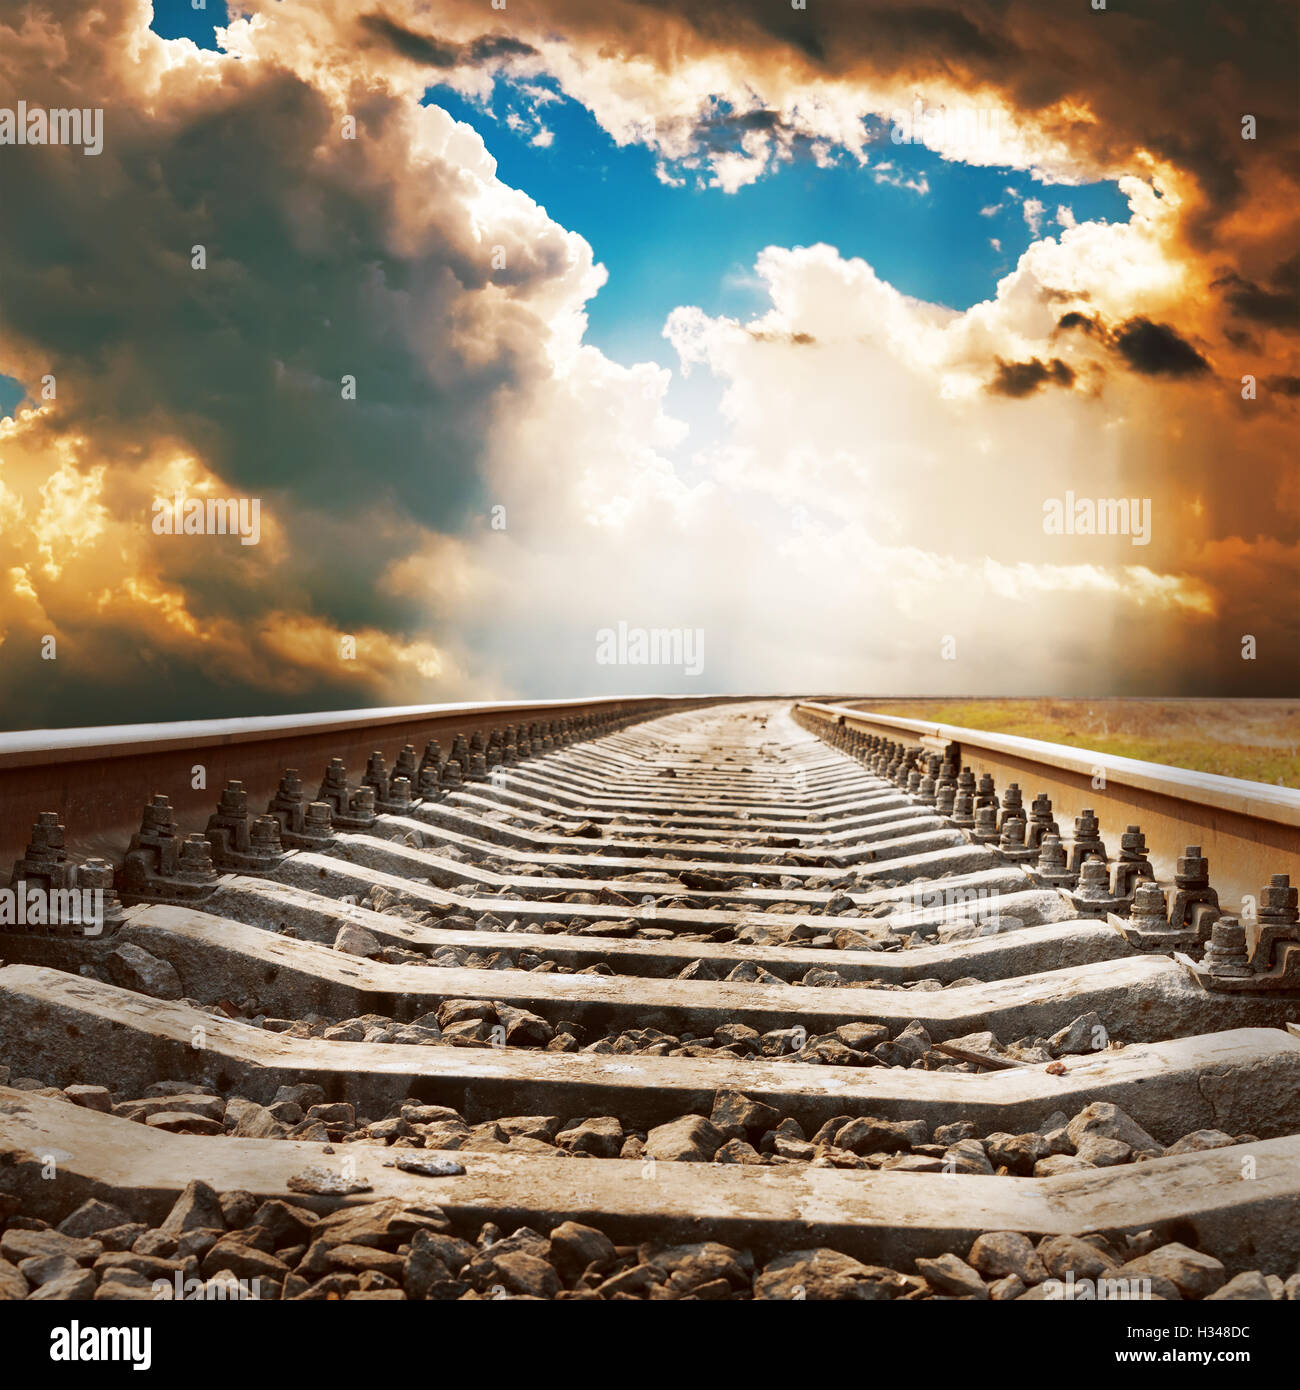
{"x":1253,"y":739}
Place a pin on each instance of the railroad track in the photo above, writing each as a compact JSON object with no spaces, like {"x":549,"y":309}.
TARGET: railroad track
{"x":731,"y":1001}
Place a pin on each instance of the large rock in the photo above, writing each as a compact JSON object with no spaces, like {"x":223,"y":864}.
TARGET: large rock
{"x":738,"y":1035}
{"x":234,"y":1255}
{"x":421,"y":1272}
{"x":1017,"y":1152}
{"x":43,"y":1269}
{"x":356,"y":941}
{"x":72,"y":1287}
{"x":1005,"y":1289}
{"x":183,"y":1122}
{"x":462,"y":1010}
{"x":1107,"y":1121}
{"x":482,"y":1271}
{"x":909,"y":1046}
{"x":133,"y":968}
{"x":382,"y":1225}
{"x":915,"y":1163}
{"x":967,"y":1156}
{"x":198,"y":1206}
{"x":239,"y":1208}
{"x":339,"y":1114}
{"x":91,"y":1097}
{"x":1055,"y":1165}
{"x":698,"y":970}
{"x":146,"y":1266}
{"x":350,"y":1031}
{"x":524,"y":1029}
{"x":182,"y":1102}
{"x":736,"y":1116}
{"x":13,"y":1283}
{"x":999,"y":1253}
{"x":738,"y":1151}
{"x":543,"y":1127}
{"x":690,"y":1267}
{"x":123,"y":1237}
{"x":866,"y":1135}
{"x":92,"y":1217}
{"x":1102,"y":1152}
{"x":305,"y":1094}
{"x":358,"y":1259}
{"x":1199,"y":1140}
{"x":601,"y":1136}
{"x":1064,"y":1255}
{"x":951,"y":1133}
{"x":446,"y":1134}
{"x":521,"y":1273}
{"x":862,"y":1037}
{"x":953,"y":1276}
{"x":690,"y":1139}
{"x":1086,"y":1034}
{"x":1193,"y":1274}
{"x":575,"y":1247}
{"x":285,"y":1223}
{"x":829,"y":1051}
{"x":252,"y":1121}
{"x":823,"y":1274}
{"x":17,"y":1246}
{"x":1249,"y":1285}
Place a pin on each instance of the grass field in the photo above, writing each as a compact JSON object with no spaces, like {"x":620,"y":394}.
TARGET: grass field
{"x":1255,"y":739}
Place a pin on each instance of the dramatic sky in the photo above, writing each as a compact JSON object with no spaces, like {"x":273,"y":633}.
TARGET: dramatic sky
{"x":652,"y":321}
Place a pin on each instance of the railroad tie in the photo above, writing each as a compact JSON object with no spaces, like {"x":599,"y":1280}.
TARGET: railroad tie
{"x":744,"y":1000}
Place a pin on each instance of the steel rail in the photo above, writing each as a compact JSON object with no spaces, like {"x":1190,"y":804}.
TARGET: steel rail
{"x":98,"y":778}
{"x":1247,"y":830}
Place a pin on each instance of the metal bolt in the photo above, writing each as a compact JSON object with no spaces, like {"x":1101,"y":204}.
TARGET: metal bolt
{"x":1148,"y":911}
{"x":1193,"y":870}
{"x":1226,"y":953}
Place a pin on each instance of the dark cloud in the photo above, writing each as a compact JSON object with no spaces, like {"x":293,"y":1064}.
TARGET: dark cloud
{"x":1018,"y":379}
{"x":305,"y":285}
{"x":1274,"y":306}
{"x":442,"y":53}
{"x":325,"y":258}
{"x":1155,"y":349}
{"x":1141,"y":70}
{"x":1074,"y":319}
{"x":723,"y":129}
{"x":1151,"y":349}
{"x":1283,"y":385}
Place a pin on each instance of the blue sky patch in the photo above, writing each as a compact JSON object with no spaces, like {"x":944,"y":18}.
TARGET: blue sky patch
{"x":178,"y":19}
{"x":12,"y":394}
{"x":665,"y":246}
